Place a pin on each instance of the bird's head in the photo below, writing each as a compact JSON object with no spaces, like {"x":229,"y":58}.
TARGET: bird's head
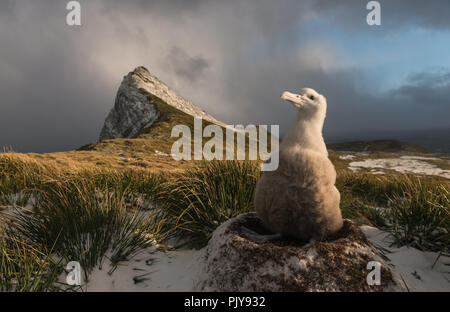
{"x":307,"y":102}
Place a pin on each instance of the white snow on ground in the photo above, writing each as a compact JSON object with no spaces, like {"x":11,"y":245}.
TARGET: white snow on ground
{"x":403,"y":165}
{"x":10,"y":210}
{"x":420,"y":158}
{"x":347,"y":157}
{"x":178,"y":270}
{"x":161,"y":153}
{"x":151,"y":270}
{"x":419,"y":270}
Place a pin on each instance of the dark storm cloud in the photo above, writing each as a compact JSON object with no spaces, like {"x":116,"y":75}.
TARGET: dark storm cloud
{"x":430,"y":14}
{"x":421,"y":103}
{"x":436,"y":77}
{"x":185,"y":66}
{"x":56,"y":81}
{"x":162,"y":6}
{"x":269,"y":17}
{"x":50,"y":100}
{"x":7,"y":6}
{"x":428,"y":91}
{"x":278,"y":16}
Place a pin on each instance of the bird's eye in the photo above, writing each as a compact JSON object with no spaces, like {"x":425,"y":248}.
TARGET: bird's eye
{"x":311,"y":97}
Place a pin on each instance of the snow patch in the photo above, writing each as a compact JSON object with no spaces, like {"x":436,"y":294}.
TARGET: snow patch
{"x":347,"y":157}
{"x":420,"y":158}
{"x":402,"y":165}
{"x":161,"y":153}
{"x":150,"y":271}
{"x":421,"y":271}
{"x":178,"y":270}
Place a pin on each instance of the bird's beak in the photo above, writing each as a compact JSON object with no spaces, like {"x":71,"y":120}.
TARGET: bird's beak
{"x":295,"y":99}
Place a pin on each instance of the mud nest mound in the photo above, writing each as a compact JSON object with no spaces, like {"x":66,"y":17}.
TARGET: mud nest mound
{"x":236,"y":261}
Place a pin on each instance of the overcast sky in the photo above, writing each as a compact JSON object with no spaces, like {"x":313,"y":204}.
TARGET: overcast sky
{"x":231,"y":58}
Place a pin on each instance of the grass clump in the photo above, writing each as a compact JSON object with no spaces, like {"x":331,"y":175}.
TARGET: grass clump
{"x":16,"y":179}
{"x":81,"y":222}
{"x":419,"y":215}
{"x":199,"y":200}
{"x":24,"y":268}
{"x":415,"y":210}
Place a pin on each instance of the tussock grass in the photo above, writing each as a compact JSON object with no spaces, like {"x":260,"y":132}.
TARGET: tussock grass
{"x":420,"y":215}
{"x":87,"y":214}
{"x":79,"y":215}
{"x":416,"y":210}
{"x":201,"y":199}
{"x":84,"y":223}
{"x":26,"y":269}
{"x":16,"y":177}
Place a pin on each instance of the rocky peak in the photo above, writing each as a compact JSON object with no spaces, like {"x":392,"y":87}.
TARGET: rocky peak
{"x":133,"y":111}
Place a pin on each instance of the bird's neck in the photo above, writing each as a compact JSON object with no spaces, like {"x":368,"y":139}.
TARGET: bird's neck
{"x":306,"y":133}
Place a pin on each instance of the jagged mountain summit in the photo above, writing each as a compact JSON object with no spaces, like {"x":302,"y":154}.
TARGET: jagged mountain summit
{"x":137,"y":130}
{"x":135,"y":111}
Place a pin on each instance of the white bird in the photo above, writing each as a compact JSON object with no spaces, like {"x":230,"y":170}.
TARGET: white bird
{"x":299,"y":199}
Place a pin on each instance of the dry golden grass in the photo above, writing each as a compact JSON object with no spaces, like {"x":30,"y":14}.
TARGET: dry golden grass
{"x":149,"y":151}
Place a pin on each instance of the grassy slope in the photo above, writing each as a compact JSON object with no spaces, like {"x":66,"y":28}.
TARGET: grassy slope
{"x":144,"y":151}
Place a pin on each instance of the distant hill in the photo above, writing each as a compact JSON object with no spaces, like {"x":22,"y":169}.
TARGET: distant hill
{"x":138,"y":128}
{"x":135,"y":109}
{"x":155,"y":138}
{"x":390,"y":146}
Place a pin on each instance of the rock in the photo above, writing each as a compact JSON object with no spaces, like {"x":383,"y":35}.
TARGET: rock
{"x":133,"y":112}
{"x":235,"y":261}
